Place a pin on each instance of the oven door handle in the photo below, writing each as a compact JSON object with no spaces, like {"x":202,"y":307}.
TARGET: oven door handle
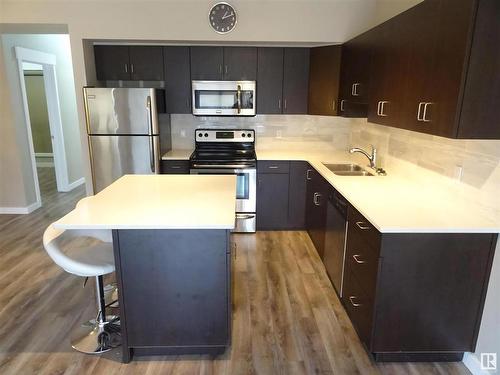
{"x":221,"y":166}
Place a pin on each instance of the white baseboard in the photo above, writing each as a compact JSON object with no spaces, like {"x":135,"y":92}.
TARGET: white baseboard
{"x":20,"y":210}
{"x":473,"y":364}
{"x":74,"y":184}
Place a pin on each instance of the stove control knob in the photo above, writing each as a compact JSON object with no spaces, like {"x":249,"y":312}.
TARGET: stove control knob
{"x":249,"y":135}
{"x":242,"y":134}
{"x":206,"y":135}
{"x":200,"y":135}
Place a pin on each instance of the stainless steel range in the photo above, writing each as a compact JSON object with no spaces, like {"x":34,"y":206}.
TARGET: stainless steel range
{"x":230,"y":151}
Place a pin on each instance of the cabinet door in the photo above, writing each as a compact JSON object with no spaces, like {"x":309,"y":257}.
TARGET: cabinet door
{"x":297,"y":191}
{"x":324,"y":74}
{"x":316,"y":200}
{"x":390,"y":59}
{"x":269,"y":80}
{"x":272,"y":201}
{"x":207,"y":63}
{"x":146,"y":63}
{"x":177,"y":79}
{"x":295,"y":80}
{"x":112,"y":63}
{"x":240,"y":63}
{"x":480,"y":111}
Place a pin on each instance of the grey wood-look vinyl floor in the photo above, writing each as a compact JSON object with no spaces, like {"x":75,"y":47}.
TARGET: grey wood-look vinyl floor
{"x":287,"y":318}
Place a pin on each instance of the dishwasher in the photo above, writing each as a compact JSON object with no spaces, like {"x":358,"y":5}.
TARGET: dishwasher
{"x":336,"y":239}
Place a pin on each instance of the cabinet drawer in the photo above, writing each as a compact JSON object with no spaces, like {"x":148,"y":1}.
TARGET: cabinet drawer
{"x":267,"y":166}
{"x":361,"y":227}
{"x":175,"y":166}
{"x":362,"y":260}
{"x":359,"y":308}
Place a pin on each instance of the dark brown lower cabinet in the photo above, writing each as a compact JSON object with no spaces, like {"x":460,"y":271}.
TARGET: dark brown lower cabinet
{"x":316,"y":204}
{"x":175,"y":291}
{"x":173,"y":166}
{"x":281,"y":194}
{"x":416,"y":296}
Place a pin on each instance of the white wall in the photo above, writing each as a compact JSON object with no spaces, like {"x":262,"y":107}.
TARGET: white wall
{"x":59,"y":46}
{"x":259,"y":21}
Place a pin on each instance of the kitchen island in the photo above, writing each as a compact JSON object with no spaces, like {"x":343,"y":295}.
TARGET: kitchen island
{"x":172,"y":256}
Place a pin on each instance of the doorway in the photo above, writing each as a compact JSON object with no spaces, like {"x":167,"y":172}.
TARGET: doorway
{"x":40,"y":127}
{"x":43,"y":117}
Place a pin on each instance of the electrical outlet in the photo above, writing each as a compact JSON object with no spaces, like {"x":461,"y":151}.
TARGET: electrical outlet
{"x":183,"y":133}
{"x":458,"y":172}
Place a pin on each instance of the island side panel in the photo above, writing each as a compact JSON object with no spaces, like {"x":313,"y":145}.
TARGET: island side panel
{"x":175,"y":290}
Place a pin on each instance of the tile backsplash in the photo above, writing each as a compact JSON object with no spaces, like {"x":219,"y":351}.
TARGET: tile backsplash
{"x":272,"y":131}
{"x":473,"y":162}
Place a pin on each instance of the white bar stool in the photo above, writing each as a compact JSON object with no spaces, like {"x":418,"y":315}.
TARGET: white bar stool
{"x":91,"y":261}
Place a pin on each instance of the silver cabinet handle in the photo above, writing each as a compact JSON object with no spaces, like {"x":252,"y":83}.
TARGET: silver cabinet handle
{"x":362,"y":225}
{"x":279,"y":103}
{"x":382,"y":106}
{"x":284,"y":103}
{"x":307,"y":174}
{"x":225,"y":69}
{"x":419,"y":111}
{"x":354,"y":90}
{"x":126,"y":68}
{"x":245,"y":216}
{"x":175,"y":167}
{"x":273,"y":167}
{"x":220,"y":68}
{"x":316,"y":198}
{"x":351,"y":299}
{"x":334,"y":104}
{"x":342,"y":102}
{"x":424,"y":117}
{"x":378,"y":108}
{"x":131,"y":68}
{"x":357,"y":259}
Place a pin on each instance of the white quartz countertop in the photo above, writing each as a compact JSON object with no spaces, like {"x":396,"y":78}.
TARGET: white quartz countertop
{"x":177,"y":155}
{"x":410,"y":199}
{"x":158,"y":202}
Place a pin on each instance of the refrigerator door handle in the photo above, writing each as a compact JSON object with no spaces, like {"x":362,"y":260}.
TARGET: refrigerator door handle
{"x":153,"y":149}
{"x":152,"y":154}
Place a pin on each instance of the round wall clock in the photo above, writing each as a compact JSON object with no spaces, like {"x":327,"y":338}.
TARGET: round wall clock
{"x":222,"y":18}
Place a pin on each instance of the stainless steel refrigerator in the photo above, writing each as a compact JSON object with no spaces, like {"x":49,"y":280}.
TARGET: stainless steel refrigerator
{"x":123,"y":133}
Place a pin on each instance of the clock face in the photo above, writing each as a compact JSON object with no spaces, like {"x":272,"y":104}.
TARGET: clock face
{"x":222,"y":18}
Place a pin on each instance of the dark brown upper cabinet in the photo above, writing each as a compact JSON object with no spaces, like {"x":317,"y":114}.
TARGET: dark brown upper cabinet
{"x":177,"y":79}
{"x":324,"y":74}
{"x":137,"y":63}
{"x":112,"y":63}
{"x":355,"y":76}
{"x":224,"y":63}
{"x":269,"y":80}
{"x":207,"y":63}
{"x":434,"y":69}
{"x":240,"y":63}
{"x":295,"y":80}
{"x":480,"y":110}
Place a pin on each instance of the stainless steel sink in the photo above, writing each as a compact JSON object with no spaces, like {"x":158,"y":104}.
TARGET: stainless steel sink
{"x":348,"y":170}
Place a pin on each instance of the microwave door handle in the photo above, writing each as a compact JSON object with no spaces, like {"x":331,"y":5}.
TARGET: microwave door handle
{"x":238,"y":98}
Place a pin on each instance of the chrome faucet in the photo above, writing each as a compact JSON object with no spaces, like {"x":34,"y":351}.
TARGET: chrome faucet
{"x":372,"y":158}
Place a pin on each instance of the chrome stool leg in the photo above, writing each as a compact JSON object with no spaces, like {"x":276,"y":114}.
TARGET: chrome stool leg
{"x":101,"y":336}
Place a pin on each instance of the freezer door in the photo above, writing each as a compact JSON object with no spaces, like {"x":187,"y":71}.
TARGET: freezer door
{"x":120,"y":111}
{"x":113,"y":156}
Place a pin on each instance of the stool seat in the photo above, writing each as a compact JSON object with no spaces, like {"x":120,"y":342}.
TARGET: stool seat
{"x":94,"y":260}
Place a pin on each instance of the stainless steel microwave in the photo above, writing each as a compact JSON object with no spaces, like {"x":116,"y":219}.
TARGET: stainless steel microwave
{"x":224,"y":98}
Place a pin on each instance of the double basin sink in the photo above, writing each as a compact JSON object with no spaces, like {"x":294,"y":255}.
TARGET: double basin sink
{"x":348,"y":170}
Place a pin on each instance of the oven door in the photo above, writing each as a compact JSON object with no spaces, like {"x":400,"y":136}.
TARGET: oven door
{"x":246,"y":185}
{"x":224,"y":98}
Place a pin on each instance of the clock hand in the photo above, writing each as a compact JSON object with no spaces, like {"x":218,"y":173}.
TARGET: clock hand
{"x":227,"y":16}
